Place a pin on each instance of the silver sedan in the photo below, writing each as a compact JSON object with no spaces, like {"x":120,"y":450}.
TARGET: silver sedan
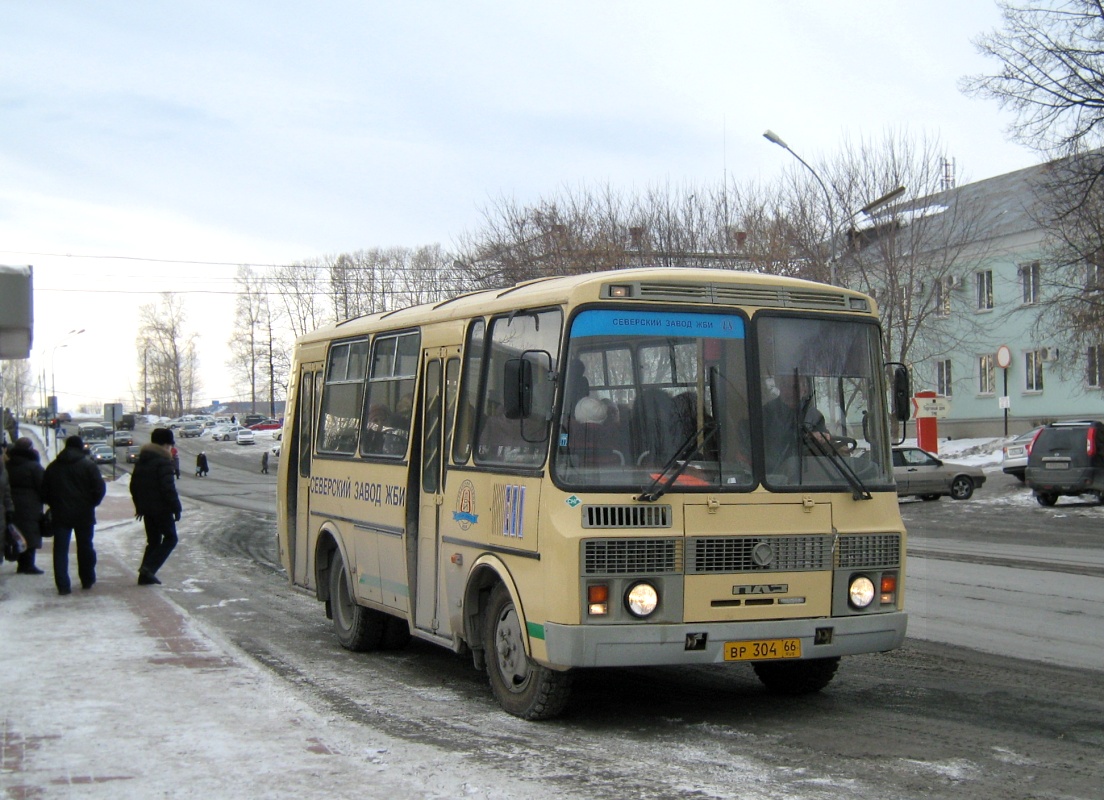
{"x":920,"y":474}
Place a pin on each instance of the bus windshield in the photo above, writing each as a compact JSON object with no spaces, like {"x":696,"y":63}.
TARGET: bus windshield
{"x":671,"y":401}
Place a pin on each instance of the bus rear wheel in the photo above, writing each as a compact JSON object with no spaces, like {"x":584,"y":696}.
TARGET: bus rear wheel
{"x":521,"y":686}
{"x":796,"y":677}
{"x":357,"y":628}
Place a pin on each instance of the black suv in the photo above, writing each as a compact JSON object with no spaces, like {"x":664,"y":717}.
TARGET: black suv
{"x":1067,"y":458}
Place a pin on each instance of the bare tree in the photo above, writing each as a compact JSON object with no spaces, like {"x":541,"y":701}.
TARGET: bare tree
{"x":299,"y":287}
{"x":246,"y":337}
{"x":17,"y":386}
{"x":1051,"y":73}
{"x":168,"y":357}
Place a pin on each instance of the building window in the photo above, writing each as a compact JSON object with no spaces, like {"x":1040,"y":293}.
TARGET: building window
{"x":941,"y":296}
{"x":1094,"y":369}
{"x":1033,"y":370}
{"x":1029,"y":280}
{"x":987,"y":365}
{"x":985,"y":290}
{"x":1094,"y":271}
{"x":943,"y":377}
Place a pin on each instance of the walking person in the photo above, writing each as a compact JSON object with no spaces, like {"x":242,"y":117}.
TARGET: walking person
{"x":25,"y":473}
{"x":175,"y":456}
{"x":7,"y":507}
{"x":72,"y":486}
{"x":201,"y":465}
{"x":156,"y":503}
{"x":264,"y":463}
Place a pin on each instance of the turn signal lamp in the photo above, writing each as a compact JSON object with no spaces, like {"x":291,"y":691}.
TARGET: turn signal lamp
{"x":598,"y":600}
{"x":888,"y":589}
{"x":620,"y":291}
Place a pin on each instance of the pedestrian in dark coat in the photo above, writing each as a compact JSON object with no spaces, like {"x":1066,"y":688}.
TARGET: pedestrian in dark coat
{"x":25,"y":473}
{"x":156,"y":503}
{"x":264,"y":462}
{"x":7,"y":507}
{"x":73,"y":486}
{"x":201,"y":465}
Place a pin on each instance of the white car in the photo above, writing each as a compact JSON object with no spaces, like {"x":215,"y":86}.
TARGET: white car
{"x":245,"y":436}
{"x":276,"y":450}
{"x":224,"y":433}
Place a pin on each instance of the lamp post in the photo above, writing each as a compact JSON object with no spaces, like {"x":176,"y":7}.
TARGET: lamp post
{"x":774,"y":138}
{"x":53,"y":379}
{"x":866,"y":210}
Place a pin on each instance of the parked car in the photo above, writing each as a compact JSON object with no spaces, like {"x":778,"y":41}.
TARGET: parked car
{"x":253,"y":419}
{"x":1015,"y":454}
{"x":267,"y":425}
{"x":1067,"y":459}
{"x":123,"y":438}
{"x":920,"y":474}
{"x":102,"y":454}
{"x":278,"y":434}
{"x":190,"y":430}
{"x":225,"y":433}
{"x":276,"y":450}
{"x":245,"y":436}
{"x":132,"y":454}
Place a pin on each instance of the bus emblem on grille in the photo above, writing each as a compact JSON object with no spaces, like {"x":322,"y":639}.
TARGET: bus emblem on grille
{"x":763,"y":554}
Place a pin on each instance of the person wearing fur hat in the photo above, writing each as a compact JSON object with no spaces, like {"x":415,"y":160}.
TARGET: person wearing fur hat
{"x":72,"y":486}
{"x":25,"y":474}
{"x":156,"y":503}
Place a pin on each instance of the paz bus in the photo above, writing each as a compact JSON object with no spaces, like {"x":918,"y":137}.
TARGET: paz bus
{"x":588,"y":471}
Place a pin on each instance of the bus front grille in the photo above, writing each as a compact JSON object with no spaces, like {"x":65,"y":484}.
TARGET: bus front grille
{"x":759,"y":554}
{"x":626,"y":516}
{"x":632,"y":556}
{"x":867,"y":551}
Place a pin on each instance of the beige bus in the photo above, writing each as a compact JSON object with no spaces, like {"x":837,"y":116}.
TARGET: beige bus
{"x":626,"y":468}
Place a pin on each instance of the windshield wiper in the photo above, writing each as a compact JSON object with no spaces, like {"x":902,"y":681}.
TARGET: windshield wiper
{"x":858,"y":488}
{"x":680,"y":460}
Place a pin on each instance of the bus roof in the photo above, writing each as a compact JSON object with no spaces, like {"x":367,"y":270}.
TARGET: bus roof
{"x":665,"y":284}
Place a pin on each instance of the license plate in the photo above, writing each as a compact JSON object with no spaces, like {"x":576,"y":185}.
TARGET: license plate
{"x":1057,"y":465}
{"x":756,"y":649}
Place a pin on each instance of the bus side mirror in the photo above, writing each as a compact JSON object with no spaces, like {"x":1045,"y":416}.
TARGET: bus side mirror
{"x":902,"y":393}
{"x":517,"y":388}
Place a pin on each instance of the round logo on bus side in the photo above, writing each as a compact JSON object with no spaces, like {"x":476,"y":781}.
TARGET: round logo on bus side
{"x":464,"y":513}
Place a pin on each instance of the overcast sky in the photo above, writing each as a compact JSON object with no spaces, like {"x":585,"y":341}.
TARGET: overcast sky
{"x":154,"y":146}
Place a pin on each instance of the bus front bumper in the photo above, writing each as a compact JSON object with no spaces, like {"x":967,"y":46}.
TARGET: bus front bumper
{"x":659,"y":644}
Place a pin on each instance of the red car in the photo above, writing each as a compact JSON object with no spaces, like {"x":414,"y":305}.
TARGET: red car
{"x":267,"y":425}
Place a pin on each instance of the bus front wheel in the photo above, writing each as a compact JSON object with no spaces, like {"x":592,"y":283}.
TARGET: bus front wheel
{"x":796,"y":677}
{"x":521,"y":686}
{"x":357,"y":628}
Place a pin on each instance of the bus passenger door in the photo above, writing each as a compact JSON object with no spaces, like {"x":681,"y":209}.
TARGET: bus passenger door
{"x":299,"y":451}
{"x":441,"y":369}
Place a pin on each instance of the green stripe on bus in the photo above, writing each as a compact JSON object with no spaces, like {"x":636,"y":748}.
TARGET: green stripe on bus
{"x":536,"y":631}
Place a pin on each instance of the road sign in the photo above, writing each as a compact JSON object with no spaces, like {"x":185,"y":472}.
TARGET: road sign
{"x":938,"y":407}
{"x":1004,"y":402}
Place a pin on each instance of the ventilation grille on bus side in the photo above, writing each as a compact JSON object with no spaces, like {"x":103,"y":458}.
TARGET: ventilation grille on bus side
{"x":626,"y":516}
{"x":759,"y":553}
{"x":632,"y":556}
{"x":771,"y":297}
{"x":869,"y":551}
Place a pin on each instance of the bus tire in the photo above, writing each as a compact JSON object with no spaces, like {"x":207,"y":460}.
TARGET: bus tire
{"x":521,"y":686}
{"x":357,"y":628}
{"x":796,"y":677}
{"x":396,"y":634}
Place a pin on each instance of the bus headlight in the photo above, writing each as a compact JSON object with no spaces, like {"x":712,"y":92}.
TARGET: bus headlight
{"x":861,"y":591}
{"x":641,"y":599}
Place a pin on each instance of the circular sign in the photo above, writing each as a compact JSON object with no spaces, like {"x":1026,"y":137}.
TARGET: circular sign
{"x":1004,"y":357}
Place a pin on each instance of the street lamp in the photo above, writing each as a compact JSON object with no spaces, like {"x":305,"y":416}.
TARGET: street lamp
{"x":866,"y":210}
{"x":774,"y":138}
{"x":53,"y":380}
